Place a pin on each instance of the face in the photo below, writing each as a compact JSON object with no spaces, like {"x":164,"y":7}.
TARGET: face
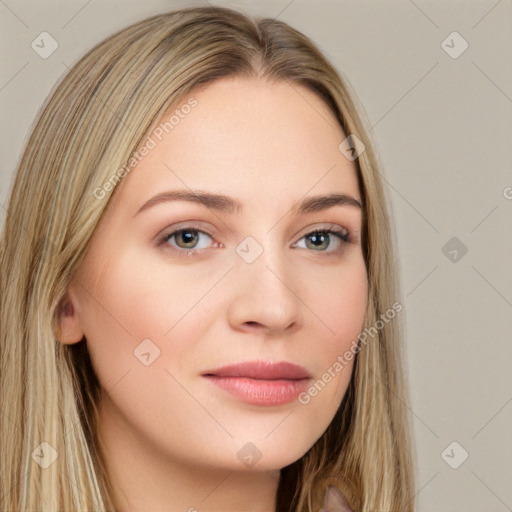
{"x":209,"y":322}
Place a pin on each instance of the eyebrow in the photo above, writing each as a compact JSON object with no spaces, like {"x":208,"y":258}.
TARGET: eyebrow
{"x":228,"y":204}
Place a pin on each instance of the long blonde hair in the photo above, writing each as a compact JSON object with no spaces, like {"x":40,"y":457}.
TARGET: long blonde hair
{"x":88,"y":129}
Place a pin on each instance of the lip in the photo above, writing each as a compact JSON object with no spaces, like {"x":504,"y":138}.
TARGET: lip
{"x":263,"y":383}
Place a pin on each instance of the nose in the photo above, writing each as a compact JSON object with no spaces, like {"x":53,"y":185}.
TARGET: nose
{"x":263,"y":299}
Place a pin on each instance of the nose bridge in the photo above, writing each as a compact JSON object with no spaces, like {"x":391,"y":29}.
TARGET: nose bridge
{"x":266,"y":260}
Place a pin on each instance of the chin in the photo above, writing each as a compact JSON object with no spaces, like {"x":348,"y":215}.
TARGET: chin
{"x":271,"y":455}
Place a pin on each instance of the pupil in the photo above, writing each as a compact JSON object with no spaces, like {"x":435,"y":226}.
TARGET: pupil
{"x":188,"y":237}
{"x":318,"y":239}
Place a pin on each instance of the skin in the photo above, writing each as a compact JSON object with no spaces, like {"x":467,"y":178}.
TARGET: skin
{"x":169,"y":436}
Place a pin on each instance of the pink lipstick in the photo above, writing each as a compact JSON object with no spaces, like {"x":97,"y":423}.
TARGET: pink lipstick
{"x":261,"y":382}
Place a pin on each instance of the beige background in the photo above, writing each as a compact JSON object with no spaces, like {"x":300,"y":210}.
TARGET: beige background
{"x":442,"y":128}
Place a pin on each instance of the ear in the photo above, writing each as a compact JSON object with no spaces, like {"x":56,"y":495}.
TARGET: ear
{"x":334,"y":501}
{"x":68,"y":329}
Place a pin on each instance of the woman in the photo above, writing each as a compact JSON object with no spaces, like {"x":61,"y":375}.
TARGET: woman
{"x":199,"y":304}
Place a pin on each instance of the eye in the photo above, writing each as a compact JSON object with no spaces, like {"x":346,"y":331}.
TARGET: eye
{"x":324,"y":240}
{"x":187,"y":240}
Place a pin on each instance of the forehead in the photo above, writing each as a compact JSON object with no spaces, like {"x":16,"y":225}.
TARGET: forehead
{"x":247,"y":138}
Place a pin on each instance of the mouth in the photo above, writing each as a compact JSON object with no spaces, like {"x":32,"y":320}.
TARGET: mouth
{"x":263,"y":383}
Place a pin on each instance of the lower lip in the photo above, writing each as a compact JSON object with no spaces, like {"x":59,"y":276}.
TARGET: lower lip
{"x":261,"y":392}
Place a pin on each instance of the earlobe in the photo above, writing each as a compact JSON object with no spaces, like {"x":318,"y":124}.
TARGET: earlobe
{"x":68,"y":329}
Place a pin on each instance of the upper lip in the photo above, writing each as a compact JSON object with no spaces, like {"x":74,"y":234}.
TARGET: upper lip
{"x":264,"y":370}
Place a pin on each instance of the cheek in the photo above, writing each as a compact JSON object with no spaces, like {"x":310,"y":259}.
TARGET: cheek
{"x":131,"y":300}
{"x":340,"y":306}
{"x":339,"y":302}
{"x":142,"y":298}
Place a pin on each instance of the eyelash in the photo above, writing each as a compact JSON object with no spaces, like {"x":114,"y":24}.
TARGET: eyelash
{"x":342,"y":235}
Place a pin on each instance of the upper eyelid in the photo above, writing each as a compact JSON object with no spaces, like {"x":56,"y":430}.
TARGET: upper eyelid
{"x":190,"y":225}
{"x":325,"y":227}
